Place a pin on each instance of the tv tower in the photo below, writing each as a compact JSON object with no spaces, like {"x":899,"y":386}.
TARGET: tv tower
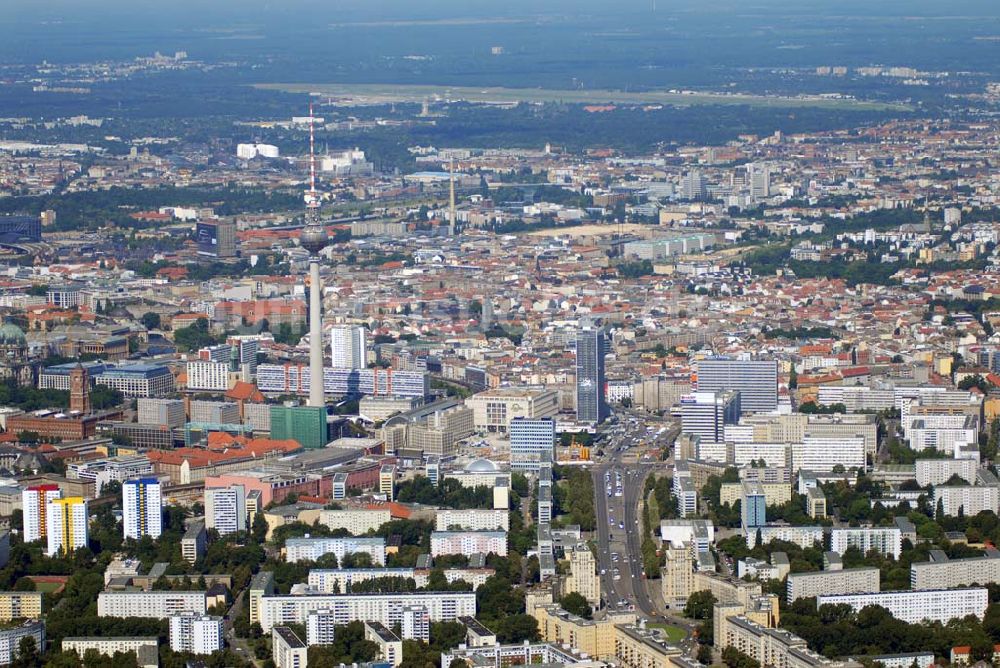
{"x":314,"y":239}
{"x":451,"y":181}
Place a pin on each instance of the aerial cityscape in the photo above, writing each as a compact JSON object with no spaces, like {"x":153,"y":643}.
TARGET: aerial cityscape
{"x":648,"y":334}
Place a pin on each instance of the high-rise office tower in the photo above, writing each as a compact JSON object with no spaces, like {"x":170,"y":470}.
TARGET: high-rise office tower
{"x":142,"y":508}
{"x":530,"y":440}
{"x":226,"y":509}
{"x":705,"y":414}
{"x":591,"y":405}
{"x":67,"y":525}
{"x":34,"y":508}
{"x":756,"y":381}
{"x":348,"y":348}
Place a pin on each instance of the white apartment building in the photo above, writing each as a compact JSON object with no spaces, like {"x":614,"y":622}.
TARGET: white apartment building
{"x":944,"y":573}
{"x":209,"y":376}
{"x":472,"y":520}
{"x":34,"y":508}
{"x":348,"y":349}
{"x":821,"y":455}
{"x":357,"y":521}
{"x":154,"y":604}
{"x":311,"y":549}
{"x":67,"y":525}
{"x":468,"y":542}
{"x":416,"y":623}
{"x":321,"y":627}
{"x":773,"y":454}
{"x":970,"y":500}
{"x":386,"y":608}
{"x":197,"y":634}
{"x":142,"y":508}
{"x":887,"y":540}
{"x":390,"y":647}
{"x":10,"y":639}
{"x":802,"y":536}
{"x":939,"y":471}
{"x":111,"y":645}
{"x":846,"y":581}
{"x":287,"y":649}
{"x":340,"y":580}
{"x":913,"y":606}
{"x":226,"y":509}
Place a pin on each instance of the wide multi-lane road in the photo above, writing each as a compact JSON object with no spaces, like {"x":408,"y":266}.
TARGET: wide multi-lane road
{"x":619,"y":534}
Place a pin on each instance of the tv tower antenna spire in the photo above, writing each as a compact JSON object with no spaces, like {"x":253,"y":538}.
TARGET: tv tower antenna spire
{"x":311,"y":196}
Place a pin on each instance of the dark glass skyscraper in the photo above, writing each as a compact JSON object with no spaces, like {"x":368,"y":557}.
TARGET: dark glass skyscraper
{"x":591,"y":405}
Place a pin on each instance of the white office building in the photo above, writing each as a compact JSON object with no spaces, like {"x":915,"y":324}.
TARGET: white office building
{"x":385,"y":608}
{"x":208,"y":376}
{"x":226,"y":509}
{"x":348,"y":348}
{"x":166,"y":412}
{"x":532,"y":441}
{"x":197,"y":634}
{"x":914,"y":606}
{"x":311,"y":549}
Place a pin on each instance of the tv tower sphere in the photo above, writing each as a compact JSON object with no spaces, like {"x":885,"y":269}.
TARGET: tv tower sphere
{"x":314,"y":238}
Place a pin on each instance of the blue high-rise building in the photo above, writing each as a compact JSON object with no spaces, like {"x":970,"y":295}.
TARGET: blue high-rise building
{"x":591,"y":405}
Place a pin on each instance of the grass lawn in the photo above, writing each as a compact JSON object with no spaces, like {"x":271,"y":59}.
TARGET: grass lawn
{"x":673,"y":633}
{"x":47,"y":587}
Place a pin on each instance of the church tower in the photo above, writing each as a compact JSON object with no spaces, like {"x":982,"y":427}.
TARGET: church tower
{"x":79,"y":389}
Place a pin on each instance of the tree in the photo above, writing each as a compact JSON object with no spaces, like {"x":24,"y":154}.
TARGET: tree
{"x":704,"y":654}
{"x":575,"y":604}
{"x":734,"y":658}
{"x":150,"y":320}
{"x":699,"y":605}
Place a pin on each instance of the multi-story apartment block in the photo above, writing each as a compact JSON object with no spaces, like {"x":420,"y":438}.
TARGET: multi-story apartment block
{"x":197,"y":634}
{"x":226,"y":509}
{"x":944,"y":573}
{"x":311,"y":549}
{"x":390,"y":647}
{"x":918,"y":605}
{"x":34,"y":507}
{"x":384,"y":608}
{"x":357,"y":521}
{"x":142,"y":508}
{"x":165,"y":412}
{"x":887,"y":540}
{"x":967,"y":499}
{"x":321,"y":627}
{"x":20,"y":605}
{"x":340,"y":580}
{"x":469,"y":542}
{"x":67,"y":521}
{"x":846,"y":581}
{"x":583,"y":578}
{"x":939,"y":471}
{"x":287,"y":649}
{"x":416,"y":623}
{"x":472,"y":520}
{"x":155,"y":604}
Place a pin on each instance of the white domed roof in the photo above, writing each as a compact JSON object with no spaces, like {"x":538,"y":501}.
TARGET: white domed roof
{"x":481,"y":466}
